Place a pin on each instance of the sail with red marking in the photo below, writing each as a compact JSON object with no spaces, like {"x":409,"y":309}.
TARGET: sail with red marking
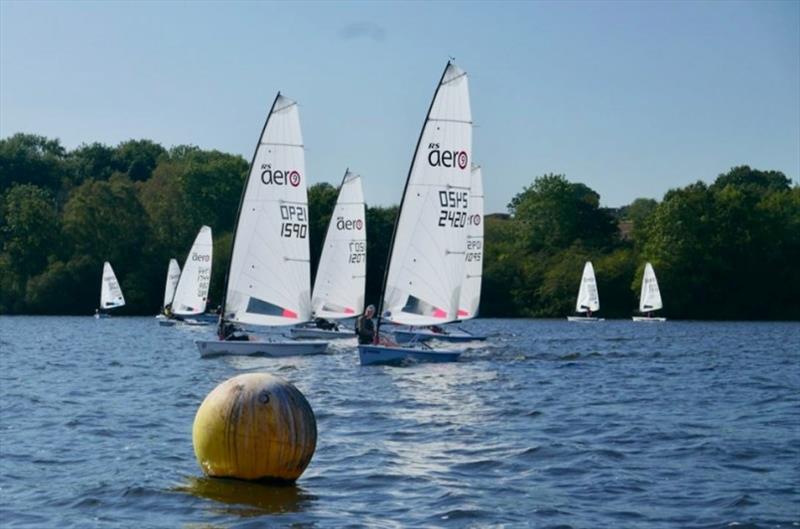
{"x":269,"y":277}
{"x":426,"y":267}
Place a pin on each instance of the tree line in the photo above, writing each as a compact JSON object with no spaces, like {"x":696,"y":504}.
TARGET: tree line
{"x":728,"y":250}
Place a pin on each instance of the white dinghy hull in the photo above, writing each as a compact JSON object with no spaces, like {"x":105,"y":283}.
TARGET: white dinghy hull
{"x":584,"y":318}
{"x":380,"y":354}
{"x":166,"y":323}
{"x":645,"y":318}
{"x":423,"y":335}
{"x":213,"y":348}
{"x":306,"y":333}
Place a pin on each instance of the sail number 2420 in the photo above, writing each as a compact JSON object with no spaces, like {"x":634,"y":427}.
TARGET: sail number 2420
{"x":454,"y":206}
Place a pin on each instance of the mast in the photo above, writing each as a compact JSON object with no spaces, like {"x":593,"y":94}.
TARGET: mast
{"x":402,"y":200}
{"x":239,"y":211}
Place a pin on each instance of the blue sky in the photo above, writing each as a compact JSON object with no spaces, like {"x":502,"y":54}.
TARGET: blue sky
{"x":630,"y":98}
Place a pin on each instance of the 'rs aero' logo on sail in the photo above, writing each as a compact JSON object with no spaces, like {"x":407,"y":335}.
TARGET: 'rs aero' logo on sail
{"x":278,"y":176}
{"x":348,"y":224}
{"x":438,"y":157}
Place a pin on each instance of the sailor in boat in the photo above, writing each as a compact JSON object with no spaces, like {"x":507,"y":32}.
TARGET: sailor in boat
{"x":171,"y":315}
{"x":326,"y":325}
{"x":228,"y":332}
{"x":365,"y":327}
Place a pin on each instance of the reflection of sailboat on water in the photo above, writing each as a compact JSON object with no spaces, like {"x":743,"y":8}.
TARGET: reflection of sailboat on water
{"x":650,"y":297}
{"x":268,"y":281}
{"x":342,"y":271}
{"x":470,"y":295}
{"x":255,"y":498}
{"x":588,"y":298}
{"x":110,"y":292}
{"x":426,"y":258}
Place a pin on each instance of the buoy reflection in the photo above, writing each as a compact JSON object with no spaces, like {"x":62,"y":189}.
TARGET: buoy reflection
{"x":262,"y":497}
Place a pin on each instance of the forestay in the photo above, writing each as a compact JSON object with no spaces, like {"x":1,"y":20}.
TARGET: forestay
{"x":269,"y":275}
{"x":587,"y":295}
{"x":470,"y":297}
{"x":173,"y":275}
{"x":342,"y":272}
{"x":650,"y":297}
{"x":110,"y":292}
{"x":426,"y":267}
{"x":192,"y":291}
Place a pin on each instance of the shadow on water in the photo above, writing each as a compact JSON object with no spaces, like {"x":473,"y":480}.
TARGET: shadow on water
{"x":248,"y":498}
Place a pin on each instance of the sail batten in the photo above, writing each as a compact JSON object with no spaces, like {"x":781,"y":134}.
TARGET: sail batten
{"x":269,"y":275}
{"x":426,"y":264}
{"x":191,"y":294}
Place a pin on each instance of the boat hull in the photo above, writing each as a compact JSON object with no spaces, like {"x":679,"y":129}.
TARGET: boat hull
{"x":380,"y":354}
{"x":166,"y":323}
{"x":422,"y":335}
{"x":584,"y":318}
{"x":645,"y":318}
{"x":311,"y":333}
{"x":101,"y":316}
{"x":212,"y":348}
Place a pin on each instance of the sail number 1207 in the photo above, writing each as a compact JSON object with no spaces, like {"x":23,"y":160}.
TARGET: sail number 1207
{"x":454,"y":206}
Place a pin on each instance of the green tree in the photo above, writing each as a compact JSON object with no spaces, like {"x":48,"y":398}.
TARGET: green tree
{"x":31,"y":159}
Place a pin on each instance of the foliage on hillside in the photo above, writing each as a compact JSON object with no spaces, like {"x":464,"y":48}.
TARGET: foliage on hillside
{"x":728,"y":250}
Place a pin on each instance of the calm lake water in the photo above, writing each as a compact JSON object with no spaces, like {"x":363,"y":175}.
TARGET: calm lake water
{"x":549,"y":424}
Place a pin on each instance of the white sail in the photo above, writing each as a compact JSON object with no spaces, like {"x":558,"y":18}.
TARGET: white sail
{"x":473,"y":267}
{"x":110,"y":292}
{"x":650,"y":297}
{"x":269,"y":277}
{"x":342,"y":272}
{"x":426,"y":266}
{"x":588,"y":298}
{"x":173,"y":274}
{"x":192,"y":291}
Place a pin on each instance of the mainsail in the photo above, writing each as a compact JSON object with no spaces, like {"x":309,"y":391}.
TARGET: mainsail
{"x":650,"y":297}
{"x":269,"y":276}
{"x":473,"y":267}
{"x":426,"y":266}
{"x":192,"y":291}
{"x":587,"y":295}
{"x":110,"y":292}
{"x":342,"y":272}
{"x":173,"y":275}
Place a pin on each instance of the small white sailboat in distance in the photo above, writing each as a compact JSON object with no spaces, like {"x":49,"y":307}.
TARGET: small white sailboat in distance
{"x":110,"y":292}
{"x":650,"y":296}
{"x":342,"y":273}
{"x":422,"y":284}
{"x":588,"y":299}
{"x":470,"y":296}
{"x":269,"y":278}
{"x":173,"y":275}
{"x":191,"y":293}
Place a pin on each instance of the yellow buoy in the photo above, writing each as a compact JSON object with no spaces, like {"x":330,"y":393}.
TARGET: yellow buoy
{"x":255,"y":426}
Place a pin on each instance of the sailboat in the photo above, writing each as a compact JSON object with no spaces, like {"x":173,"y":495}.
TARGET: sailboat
{"x":268,"y":280}
{"x":422,"y":283}
{"x":470,"y":296}
{"x":173,"y":275}
{"x":342,"y":273}
{"x":191,"y":293}
{"x":110,"y":293}
{"x":650,"y":297}
{"x":588,"y":299}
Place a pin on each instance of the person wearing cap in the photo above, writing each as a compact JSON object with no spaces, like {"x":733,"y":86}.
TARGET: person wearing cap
{"x":365,"y":327}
